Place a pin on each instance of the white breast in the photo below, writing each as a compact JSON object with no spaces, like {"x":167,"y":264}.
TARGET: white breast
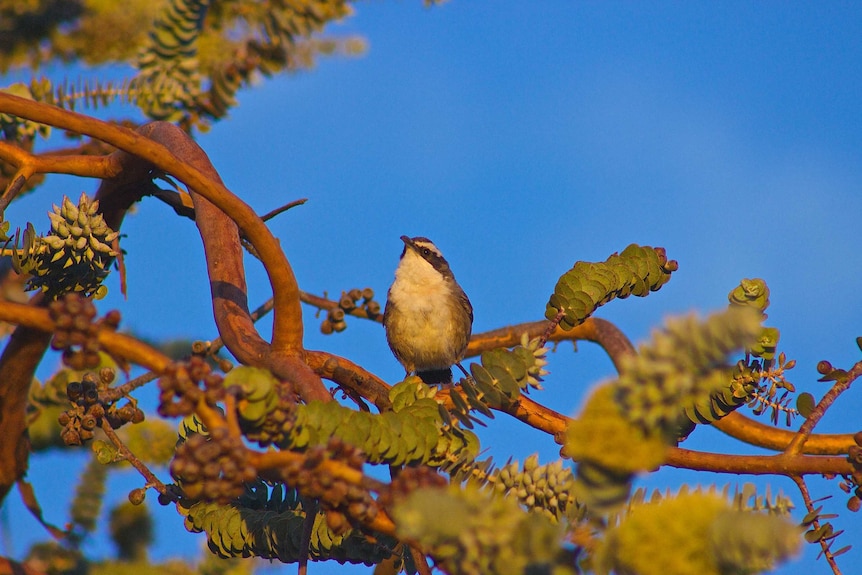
{"x":426,"y":317}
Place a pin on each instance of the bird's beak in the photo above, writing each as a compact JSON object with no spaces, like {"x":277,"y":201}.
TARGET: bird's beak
{"x":408,"y":242}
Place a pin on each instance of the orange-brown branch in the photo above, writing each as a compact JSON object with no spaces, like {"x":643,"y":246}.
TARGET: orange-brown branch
{"x":168,"y":149}
{"x":350,"y":376}
{"x":781,"y":464}
{"x":596,"y":330}
{"x":73,"y":165}
{"x":270,"y":463}
{"x":287,"y":315}
{"x":756,"y":433}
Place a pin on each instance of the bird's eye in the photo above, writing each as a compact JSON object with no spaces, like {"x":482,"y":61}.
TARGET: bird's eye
{"x":426,"y":252}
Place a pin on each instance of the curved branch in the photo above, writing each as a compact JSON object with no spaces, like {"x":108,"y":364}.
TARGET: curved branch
{"x":73,"y":165}
{"x":753,"y":432}
{"x":287,"y":328}
{"x":183,"y":159}
{"x":840,"y":386}
{"x":596,"y":330}
{"x":18,"y":364}
{"x":781,"y":464}
{"x":554,"y":423}
{"x":351,"y":376}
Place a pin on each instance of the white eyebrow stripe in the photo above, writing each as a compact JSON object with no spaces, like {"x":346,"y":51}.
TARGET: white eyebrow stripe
{"x":430,"y":246}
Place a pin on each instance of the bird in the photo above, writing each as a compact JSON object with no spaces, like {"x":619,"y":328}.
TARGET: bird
{"x":428,"y":317}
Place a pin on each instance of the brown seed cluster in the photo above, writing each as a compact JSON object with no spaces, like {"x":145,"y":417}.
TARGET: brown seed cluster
{"x":180,"y":389}
{"x":341,"y":501}
{"x":88,"y":410}
{"x":213,"y":467}
{"x":410,"y":479}
{"x":75,"y":333}
{"x":348,"y":302}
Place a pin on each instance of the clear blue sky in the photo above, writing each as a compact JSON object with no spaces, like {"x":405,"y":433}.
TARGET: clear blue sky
{"x":523,"y":136}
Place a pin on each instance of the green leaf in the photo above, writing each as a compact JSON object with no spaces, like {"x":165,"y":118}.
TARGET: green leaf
{"x":842,"y":551}
{"x":805,"y":404}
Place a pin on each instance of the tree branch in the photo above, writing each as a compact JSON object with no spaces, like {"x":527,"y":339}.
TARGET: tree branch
{"x":841,"y":385}
{"x":751,"y":431}
{"x":184,"y":160}
{"x":350,"y":376}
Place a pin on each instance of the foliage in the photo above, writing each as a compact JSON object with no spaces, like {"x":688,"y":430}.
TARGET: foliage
{"x":271,"y":527}
{"x":635,"y":271}
{"x":714,"y":539}
{"x":477,"y":533}
{"x":191,"y":56}
{"x":684,"y":366}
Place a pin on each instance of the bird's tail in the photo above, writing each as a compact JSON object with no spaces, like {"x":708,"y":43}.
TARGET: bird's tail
{"x":436,"y":376}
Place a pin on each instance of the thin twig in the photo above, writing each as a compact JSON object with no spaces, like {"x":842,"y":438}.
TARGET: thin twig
{"x":552,"y":325}
{"x":327,"y":304}
{"x":809,"y":505}
{"x":282,"y":209}
{"x":115,"y":393}
{"x":124,"y":451}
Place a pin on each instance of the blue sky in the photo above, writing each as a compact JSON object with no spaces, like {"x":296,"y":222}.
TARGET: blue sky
{"x":522,"y":137}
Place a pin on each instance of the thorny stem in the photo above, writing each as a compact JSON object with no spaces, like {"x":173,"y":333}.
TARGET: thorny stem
{"x":124,"y":451}
{"x":809,"y":506}
{"x":350,"y":377}
{"x":840,"y":386}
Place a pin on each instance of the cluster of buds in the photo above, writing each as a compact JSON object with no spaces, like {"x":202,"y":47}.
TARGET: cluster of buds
{"x":88,"y":409}
{"x":409,"y":480}
{"x":350,"y":301}
{"x":340,"y":500}
{"x":75,"y":332}
{"x":180,"y":391}
{"x":212,"y":467}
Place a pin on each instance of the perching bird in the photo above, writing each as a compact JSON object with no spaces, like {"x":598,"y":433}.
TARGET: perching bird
{"x":428,"y":318}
